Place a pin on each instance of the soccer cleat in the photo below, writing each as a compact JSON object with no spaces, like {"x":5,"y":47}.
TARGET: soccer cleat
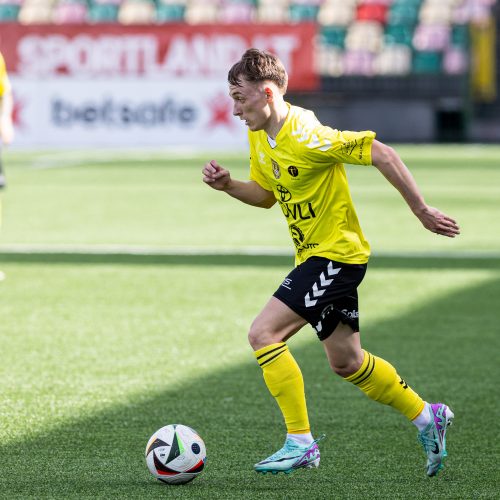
{"x":291,"y":457}
{"x":433,"y":437}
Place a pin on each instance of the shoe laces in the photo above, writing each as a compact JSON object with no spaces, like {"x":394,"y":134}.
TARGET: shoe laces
{"x":428,"y":439}
{"x":291,"y":445}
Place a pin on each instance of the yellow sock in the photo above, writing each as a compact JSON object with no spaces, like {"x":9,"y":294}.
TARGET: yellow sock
{"x":284,"y":381}
{"x":379,"y":380}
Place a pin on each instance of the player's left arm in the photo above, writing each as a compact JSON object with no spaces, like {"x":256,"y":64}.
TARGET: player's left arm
{"x":395,"y":171}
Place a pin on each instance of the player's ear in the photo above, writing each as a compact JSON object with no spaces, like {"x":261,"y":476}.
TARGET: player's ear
{"x":269,"y":94}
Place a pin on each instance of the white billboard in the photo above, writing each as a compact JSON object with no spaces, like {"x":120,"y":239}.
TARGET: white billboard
{"x":128,"y":112}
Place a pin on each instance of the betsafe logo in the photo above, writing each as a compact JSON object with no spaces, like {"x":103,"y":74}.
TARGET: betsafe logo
{"x":122,"y":113}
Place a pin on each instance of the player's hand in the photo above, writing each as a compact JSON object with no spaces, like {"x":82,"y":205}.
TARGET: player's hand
{"x":216,"y":176}
{"x":438,"y":222}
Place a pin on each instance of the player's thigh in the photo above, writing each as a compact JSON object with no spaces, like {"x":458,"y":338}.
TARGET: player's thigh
{"x":275,"y":323}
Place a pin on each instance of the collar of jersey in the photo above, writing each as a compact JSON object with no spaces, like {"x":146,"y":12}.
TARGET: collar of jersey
{"x":270,"y":140}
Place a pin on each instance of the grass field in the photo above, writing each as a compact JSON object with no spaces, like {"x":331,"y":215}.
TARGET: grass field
{"x":128,"y":293}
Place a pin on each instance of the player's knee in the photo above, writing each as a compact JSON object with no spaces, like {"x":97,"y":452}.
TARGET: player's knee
{"x":346,"y":367}
{"x":260,"y":336}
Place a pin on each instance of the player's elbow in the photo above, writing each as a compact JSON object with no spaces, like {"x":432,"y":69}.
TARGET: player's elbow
{"x":382,"y":155}
{"x":266,"y":199}
{"x":268,"y":203}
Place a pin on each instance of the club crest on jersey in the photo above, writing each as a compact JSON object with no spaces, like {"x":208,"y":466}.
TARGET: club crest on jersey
{"x":293,"y":171}
{"x":276,"y":169}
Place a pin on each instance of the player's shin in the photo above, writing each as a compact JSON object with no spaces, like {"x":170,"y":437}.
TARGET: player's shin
{"x":379,"y":380}
{"x":284,"y":380}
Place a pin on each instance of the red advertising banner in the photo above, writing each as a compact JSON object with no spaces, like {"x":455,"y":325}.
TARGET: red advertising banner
{"x":163,"y":52}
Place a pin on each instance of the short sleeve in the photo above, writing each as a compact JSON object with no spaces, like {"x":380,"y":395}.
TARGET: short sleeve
{"x":327,"y":145}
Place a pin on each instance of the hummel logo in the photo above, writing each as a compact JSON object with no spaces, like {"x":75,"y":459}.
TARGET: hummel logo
{"x":308,"y":302}
{"x":324,"y":282}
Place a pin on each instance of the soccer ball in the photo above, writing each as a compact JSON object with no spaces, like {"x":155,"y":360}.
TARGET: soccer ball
{"x":175,"y":454}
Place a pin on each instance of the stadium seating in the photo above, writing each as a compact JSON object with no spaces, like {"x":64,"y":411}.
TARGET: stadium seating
{"x":70,"y":12}
{"x":36,"y":12}
{"x":9,"y":11}
{"x":272,"y":13}
{"x":103,"y":12}
{"x":362,"y":37}
{"x":168,"y":12}
{"x":137,"y":12}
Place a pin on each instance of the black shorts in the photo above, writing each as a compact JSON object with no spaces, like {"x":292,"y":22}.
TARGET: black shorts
{"x":324,"y":293}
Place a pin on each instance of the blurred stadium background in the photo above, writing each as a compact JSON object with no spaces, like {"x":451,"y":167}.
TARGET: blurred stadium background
{"x":121,"y":266}
{"x":115,"y":72}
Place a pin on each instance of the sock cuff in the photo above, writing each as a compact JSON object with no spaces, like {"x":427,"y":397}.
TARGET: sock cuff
{"x":365,"y":370}
{"x":419,"y":408}
{"x":270,"y":353}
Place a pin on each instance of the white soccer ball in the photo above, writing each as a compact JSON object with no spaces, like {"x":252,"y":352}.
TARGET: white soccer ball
{"x":175,"y":454}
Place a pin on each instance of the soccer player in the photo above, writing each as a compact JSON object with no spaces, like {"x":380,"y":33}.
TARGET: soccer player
{"x":298,"y":162}
{"x":6,"y":126}
{"x":6,"y":105}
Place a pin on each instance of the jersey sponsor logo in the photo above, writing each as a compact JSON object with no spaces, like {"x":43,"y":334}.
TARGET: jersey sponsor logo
{"x":276,"y":170}
{"x":285,"y":195}
{"x":360,"y":156}
{"x":297,"y":235}
{"x":287,"y":283}
{"x":307,"y":246}
{"x":351,"y":314}
{"x":298,"y":211}
{"x":349,"y":147}
{"x":293,"y":171}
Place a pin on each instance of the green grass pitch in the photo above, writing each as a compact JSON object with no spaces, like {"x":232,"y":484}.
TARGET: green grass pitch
{"x":129,"y":290}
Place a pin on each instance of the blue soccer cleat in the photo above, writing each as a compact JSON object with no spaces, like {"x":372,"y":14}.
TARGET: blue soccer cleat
{"x":291,"y":457}
{"x":433,"y":437}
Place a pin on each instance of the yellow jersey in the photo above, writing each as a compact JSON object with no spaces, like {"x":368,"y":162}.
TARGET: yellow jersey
{"x":304,"y":169}
{"x":4,"y":79}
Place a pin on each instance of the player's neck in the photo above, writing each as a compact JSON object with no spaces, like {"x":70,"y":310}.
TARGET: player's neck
{"x":277,"y":120}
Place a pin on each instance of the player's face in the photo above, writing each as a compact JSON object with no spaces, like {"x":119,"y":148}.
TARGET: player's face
{"x":250,"y":103}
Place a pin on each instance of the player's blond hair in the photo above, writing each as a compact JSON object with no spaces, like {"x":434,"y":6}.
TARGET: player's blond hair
{"x":257,"y":66}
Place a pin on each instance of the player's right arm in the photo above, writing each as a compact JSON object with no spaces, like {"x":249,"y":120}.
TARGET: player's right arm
{"x":249,"y":192}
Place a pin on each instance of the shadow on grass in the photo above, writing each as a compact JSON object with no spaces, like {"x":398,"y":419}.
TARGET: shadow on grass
{"x":235,"y":259}
{"x":443,"y":349}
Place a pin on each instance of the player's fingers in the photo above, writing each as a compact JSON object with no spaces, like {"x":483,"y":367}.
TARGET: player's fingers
{"x":208,"y":168}
{"x":451,"y":232}
{"x":220,"y":173}
{"x":449,"y":219}
{"x":450,"y":225}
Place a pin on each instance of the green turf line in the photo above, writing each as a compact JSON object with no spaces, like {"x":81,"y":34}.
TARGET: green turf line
{"x":378,"y":261}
